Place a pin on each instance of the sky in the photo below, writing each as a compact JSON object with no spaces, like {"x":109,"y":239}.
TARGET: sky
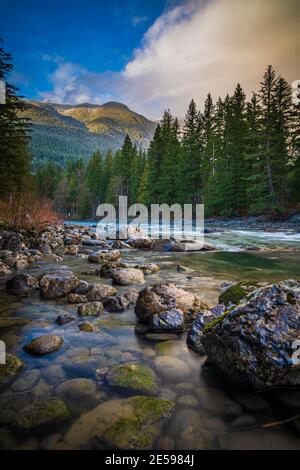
{"x":148,"y":54}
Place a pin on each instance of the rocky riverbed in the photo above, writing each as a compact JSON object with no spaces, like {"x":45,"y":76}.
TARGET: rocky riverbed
{"x":143,"y":344}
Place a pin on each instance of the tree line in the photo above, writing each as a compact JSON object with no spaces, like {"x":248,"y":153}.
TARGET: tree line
{"x":238,"y":157}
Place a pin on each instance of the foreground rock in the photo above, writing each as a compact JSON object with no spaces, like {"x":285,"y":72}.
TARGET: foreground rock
{"x":253,"y":343}
{"x":79,"y":394}
{"x":132,"y":423}
{"x":172,"y":320}
{"x":99,"y":291}
{"x":41,"y":415}
{"x":117,"y":303}
{"x":234,"y":294}
{"x":132,"y":379}
{"x":58,"y":284}
{"x":64,"y":319}
{"x":44,"y":345}
{"x":128,"y":276}
{"x":23,"y":285}
{"x":163,"y":297}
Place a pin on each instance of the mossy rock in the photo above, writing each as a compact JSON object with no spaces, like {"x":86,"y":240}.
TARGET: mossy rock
{"x":41,"y":414}
{"x":133,"y":378}
{"x":11,"y":368}
{"x":235,"y":294}
{"x":131,"y":424}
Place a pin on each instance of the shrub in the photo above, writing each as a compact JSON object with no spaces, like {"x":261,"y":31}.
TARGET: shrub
{"x":27,"y":212}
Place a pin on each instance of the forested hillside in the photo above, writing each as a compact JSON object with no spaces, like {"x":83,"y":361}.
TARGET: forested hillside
{"x":62,"y":132}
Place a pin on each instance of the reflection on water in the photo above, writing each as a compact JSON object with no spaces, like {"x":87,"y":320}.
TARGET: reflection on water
{"x":209,"y":412}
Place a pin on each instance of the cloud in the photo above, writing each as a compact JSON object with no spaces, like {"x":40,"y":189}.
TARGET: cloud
{"x":137,"y":20}
{"x":193,"y":48}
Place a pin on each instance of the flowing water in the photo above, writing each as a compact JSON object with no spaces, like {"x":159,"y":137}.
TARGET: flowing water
{"x":209,"y":412}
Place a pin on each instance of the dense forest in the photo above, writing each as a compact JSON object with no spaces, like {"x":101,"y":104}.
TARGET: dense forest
{"x":238,"y":157}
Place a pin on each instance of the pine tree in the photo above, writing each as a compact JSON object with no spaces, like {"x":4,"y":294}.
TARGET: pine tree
{"x":15,"y":158}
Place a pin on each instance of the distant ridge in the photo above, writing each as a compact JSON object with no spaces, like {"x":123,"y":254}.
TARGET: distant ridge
{"x":64,"y":131}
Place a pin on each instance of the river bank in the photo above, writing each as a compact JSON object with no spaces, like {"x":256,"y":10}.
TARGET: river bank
{"x":174,"y":396}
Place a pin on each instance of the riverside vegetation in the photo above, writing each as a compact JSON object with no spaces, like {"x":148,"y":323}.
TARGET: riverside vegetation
{"x":142,"y":344}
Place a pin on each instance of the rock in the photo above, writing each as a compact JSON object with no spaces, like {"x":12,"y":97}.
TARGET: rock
{"x":132,"y":379}
{"x":128,"y":276}
{"x":164,"y":297}
{"x":132,"y":423}
{"x":72,"y":240}
{"x":171,"y":368}
{"x":107,"y":269}
{"x":10,"y":322}
{"x":87,"y":326}
{"x":26,"y":381}
{"x":58,"y":284}
{"x":171,"y":320}
{"x":195,"y":334}
{"x":64,"y":319}
{"x":13,"y":242}
{"x":216,"y":402}
{"x":41,"y":414}
{"x":140,"y":243}
{"x":82,"y":288}
{"x":252,"y":344}
{"x":91,"y":242}
{"x":11,"y":368}
{"x":44,"y":345}
{"x":234,"y":294}
{"x":104,"y":255}
{"x":117,"y":303}
{"x":90,"y":309}
{"x":149,"y":268}
{"x":79,"y":394}
{"x":4,"y":270}
{"x":84,"y":365}
{"x":131,"y":297}
{"x":182,"y":269}
{"x":23,"y":285}
{"x":11,"y":403}
{"x":77,"y":298}
{"x":71,"y":250}
{"x":99,"y":291}
{"x":120,"y":245}
{"x":185,"y":245}
{"x":188,"y":400}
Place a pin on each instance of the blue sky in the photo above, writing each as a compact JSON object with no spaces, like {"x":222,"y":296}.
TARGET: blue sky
{"x":148,"y":54}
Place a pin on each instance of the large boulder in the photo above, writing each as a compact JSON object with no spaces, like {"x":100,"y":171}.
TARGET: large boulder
{"x":132,"y":423}
{"x":43,"y":345}
{"x":252,"y":344}
{"x":58,"y":284}
{"x":102,"y":256}
{"x":22,"y":285}
{"x":128,"y":276}
{"x":166,"y":296}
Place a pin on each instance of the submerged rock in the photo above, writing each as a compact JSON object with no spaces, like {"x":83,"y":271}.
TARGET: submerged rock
{"x":22,"y":285}
{"x":79,"y":394}
{"x":171,"y":368}
{"x":11,"y":368}
{"x":128,"y":276}
{"x":164,"y":297}
{"x":58,"y":284}
{"x":172,"y":320}
{"x":133,"y":378}
{"x":90,"y":309}
{"x":252,"y":344}
{"x":87,"y":326}
{"x":132,"y":423}
{"x":44,"y":345}
{"x":64,"y":319}
{"x":41,"y":414}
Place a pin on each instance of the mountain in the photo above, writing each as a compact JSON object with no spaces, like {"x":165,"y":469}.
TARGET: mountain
{"x":60,"y":131}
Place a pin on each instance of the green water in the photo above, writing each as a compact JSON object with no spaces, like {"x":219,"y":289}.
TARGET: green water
{"x":209,"y":412}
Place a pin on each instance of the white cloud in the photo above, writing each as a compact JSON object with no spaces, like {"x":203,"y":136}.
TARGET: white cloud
{"x":194,"y":48}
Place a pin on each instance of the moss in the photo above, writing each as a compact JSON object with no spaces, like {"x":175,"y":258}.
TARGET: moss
{"x":140,"y":427}
{"x":133,"y":377}
{"x":217,"y":321}
{"x":236,"y":293}
{"x":42,"y":413}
